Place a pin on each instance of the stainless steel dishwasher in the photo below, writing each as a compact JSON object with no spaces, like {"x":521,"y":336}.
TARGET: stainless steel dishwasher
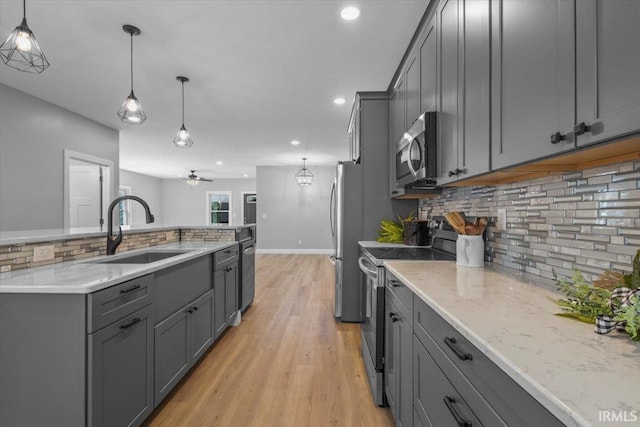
{"x":246,"y":239}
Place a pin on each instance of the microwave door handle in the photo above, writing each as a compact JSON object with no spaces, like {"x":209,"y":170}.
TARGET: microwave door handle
{"x":409,"y":159}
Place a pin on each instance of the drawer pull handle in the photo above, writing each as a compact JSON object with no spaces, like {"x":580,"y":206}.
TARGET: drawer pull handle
{"x":394,"y":283}
{"x":557,"y":137}
{"x":451,"y":343}
{"x":130,"y":324}
{"x":394,"y":317}
{"x":581,"y":129}
{"x":450,"y":401}
{"x":131,"y":289}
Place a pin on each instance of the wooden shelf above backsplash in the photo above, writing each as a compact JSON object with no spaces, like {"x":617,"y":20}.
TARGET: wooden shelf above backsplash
{"x":588,"y":157}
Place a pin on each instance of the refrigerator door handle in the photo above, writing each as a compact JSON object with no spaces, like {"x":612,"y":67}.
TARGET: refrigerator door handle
{"x":332,"y":210}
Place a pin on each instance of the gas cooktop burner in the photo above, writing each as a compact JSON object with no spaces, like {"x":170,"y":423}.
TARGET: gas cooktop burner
{"x":426,"y":254}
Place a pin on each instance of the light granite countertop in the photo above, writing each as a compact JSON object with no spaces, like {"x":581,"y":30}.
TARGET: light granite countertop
{"x":53,"y":234}
{"x":87,"y":275}
{"x":563,"y":363}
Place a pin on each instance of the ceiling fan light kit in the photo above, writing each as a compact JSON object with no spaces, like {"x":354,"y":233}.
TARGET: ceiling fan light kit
{"x":193,"y":179}
{"x":183,"y":139}
{"x":304,"y":176}
{"x":21,"y":49}
{"x":131,"y":110}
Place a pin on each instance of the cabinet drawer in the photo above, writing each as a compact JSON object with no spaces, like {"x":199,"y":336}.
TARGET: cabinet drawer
{"x":180,"y":284}
{"x":476,"y":372}
{"x":225,"y":257}
{"x":401,"y":295}
{"x":108,"y":305}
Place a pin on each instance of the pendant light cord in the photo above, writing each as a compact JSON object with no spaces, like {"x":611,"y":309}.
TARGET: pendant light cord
{"x":24,"y":8}
{"x":182,"y":103}
{"x":132,"y":62}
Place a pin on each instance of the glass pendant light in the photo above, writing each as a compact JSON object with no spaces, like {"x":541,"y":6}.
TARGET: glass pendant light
{"x":131,"y":110}
{"x":182,"y":139}
{"x":21,"y":50}
{"x":304,"y":176}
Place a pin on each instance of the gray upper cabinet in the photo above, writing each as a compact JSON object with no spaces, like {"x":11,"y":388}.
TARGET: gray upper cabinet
{"x":412,"y":93}
{"x":533,"y":91}
{"x":447,"y":17}
{"x":427,"y":51}
{"x":608,"y":68}
{"x":397,"y":111}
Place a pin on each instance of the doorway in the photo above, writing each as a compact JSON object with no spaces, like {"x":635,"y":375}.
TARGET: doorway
{"x":249,"y":202}
{"x":88,"y":183}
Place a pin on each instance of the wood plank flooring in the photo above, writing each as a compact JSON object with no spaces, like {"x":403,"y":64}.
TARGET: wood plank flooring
{"x":289,"y":363}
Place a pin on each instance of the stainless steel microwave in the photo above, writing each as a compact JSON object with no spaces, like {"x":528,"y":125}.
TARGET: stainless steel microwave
{"x":416,"y":155}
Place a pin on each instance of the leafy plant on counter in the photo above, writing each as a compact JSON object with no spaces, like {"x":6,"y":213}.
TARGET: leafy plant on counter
{"x":631,"y":315}
{"x":584,"y":302}
{"x":392,"y":231}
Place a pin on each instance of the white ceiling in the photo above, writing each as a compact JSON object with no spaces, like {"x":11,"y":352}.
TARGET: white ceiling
{"x":262,"y":74}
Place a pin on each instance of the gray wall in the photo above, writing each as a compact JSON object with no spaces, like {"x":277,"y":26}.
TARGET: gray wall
{"x":185,"y":205}
{"x":288,"y":213}
{"x":33,"y":134}
{"x":147,"y":187}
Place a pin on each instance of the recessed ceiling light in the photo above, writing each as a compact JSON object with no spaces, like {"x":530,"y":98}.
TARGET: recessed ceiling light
{"x":219,"y":163}
{"x":245,"y":175}
{"x":295,"y":142}
{"x":350,"y":13}
{"x":339,"y":101}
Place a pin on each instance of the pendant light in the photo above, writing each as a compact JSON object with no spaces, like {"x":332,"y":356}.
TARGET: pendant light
{"x":21,"y":50}
{"x":131,"y":110}
{"x":304,"y":176}
{"x":182,"y":139}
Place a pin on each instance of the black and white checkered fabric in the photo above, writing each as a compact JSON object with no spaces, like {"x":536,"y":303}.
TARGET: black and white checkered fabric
{"x":606,"y":324}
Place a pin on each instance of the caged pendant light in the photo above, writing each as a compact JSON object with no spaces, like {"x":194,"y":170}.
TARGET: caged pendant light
{"x":304,"y":176}
{"x":21,"y":50}
{"x":182,"y":139}
{"x":131,"y":110}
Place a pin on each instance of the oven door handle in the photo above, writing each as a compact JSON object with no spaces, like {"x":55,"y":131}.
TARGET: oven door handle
{"x":371,"y":273}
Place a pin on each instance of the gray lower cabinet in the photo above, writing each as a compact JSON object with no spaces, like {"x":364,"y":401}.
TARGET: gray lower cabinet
{"x":120,"y":366}
{"x":533,"y":79}
{"x":398,"y":364}
{"x":180,"y":340}
{"x":225,"y":279}
{"x":607,"y":69}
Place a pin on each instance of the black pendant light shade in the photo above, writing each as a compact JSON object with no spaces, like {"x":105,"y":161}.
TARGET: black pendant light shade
{"x":304,"y":176}
{"x":21,"y":49}
{"x":182,"y":139}
{"x":131,"y":110}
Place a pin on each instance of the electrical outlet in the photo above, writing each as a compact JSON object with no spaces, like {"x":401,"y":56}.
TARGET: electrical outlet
{"x":43,"y":253}
{"x":501,"y":221}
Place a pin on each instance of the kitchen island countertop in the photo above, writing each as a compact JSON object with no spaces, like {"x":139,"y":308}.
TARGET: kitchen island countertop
{"x":86,"y":275}
{"x":572,"y":371}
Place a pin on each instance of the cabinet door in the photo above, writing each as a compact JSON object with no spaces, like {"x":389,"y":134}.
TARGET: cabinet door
{"x":436,"y":401}
{"x":231,"y":291}
{"x":219,"y":311}
{"x":405,"y":372}
{"x":202,"y":329}
{"x":427,"y":51}
{"x":391,"y":357}
{"x":448,"y":43}
{"x":412,"y":78}
{"x":533,"y":94}
{"x":400,"y":109}
{"x":608,"y":67}
{"x":120,"y":369}
{"x":172,"y":355}
{"x":475,"y":137}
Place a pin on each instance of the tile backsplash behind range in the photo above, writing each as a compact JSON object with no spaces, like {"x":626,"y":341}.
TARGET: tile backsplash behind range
{"x":588,"y":219}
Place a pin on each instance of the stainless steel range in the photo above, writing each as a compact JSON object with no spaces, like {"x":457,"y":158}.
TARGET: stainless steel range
{"x":372,"y":276}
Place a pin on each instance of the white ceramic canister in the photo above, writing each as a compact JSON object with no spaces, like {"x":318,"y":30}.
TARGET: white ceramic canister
{"x":470,"y":251}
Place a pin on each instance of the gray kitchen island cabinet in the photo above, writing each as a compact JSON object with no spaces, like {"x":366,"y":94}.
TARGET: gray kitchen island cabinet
{"x":533,"y":76}
{"x":607,"y":69}
{"x":226,"y":286}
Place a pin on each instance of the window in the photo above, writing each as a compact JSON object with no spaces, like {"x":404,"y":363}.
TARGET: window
{"x":218,"y":207}
{"x":124,"y":207}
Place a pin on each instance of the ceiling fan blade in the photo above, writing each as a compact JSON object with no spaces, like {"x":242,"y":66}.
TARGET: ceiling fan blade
{"x":205,"y":179}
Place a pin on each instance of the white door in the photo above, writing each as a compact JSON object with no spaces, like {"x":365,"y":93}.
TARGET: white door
{"x":86,"y":193}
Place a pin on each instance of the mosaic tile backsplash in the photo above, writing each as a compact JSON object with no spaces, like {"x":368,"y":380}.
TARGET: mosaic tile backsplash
{"x":589,"y":220}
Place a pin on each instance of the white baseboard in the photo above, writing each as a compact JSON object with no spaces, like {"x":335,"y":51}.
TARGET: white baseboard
{"x":295,"y":251}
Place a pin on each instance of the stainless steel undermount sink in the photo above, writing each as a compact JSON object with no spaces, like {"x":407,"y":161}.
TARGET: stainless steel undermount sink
{"x":139,"y":258}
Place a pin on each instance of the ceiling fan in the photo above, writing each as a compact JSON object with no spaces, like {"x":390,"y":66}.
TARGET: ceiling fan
{"x":193,"y":179}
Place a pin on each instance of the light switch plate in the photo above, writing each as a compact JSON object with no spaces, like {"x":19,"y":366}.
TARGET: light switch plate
{"x":43,"y":253}
{"x":501,"y":220}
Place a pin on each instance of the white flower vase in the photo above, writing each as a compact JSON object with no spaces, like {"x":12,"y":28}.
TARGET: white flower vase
{"x":470,"y":251}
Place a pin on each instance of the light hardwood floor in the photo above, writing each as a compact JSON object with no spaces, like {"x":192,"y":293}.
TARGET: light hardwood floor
{"x":289,"y":363}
